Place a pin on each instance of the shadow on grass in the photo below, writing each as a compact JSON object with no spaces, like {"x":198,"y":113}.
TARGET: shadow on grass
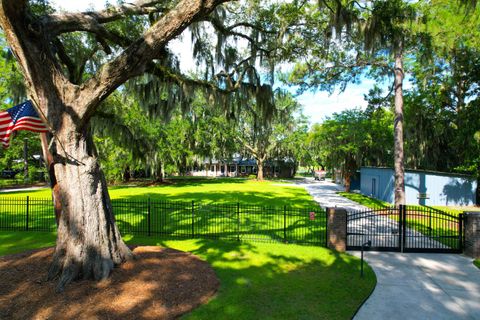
{"x":295,"y":198}
{"x":182,"y":182}
{"x":276,"y":281}
{"x":257,"y":281}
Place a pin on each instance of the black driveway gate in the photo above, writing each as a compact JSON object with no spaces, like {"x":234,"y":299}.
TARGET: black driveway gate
{"x":405,"y":229}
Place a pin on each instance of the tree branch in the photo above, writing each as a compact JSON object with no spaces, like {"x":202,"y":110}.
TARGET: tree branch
{"x":168,"y":75}
{"x":249,"y":148}
{"x":229,"y":31}
{"x":59,"y":23}
{"x":133,"y":60}
{"x":62,"y":54}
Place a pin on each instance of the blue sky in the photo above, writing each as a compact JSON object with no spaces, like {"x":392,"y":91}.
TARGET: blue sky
{"x":317,"y":105}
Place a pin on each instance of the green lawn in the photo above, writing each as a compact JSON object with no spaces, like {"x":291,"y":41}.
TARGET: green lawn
{"x":226,"y":190}
{"x":364,"y":200}
{"x":477,"y":263}
{"x":455,"y":209}
{"x":258,"y":281}
{"x":15,"y":242}
{"x":222,"y":208}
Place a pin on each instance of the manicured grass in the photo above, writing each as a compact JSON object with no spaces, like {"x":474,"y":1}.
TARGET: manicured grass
{"x":15,"y":242}
{"x":477,"y":263}
{"x":456,"y":210}
{"x":245,"y":209}
{"x":260,"y":281}
{"x":226,"y":190}
{"x":365,"y":201}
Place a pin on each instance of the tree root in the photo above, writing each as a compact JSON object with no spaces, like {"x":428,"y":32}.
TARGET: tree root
{"x":88,"y":265}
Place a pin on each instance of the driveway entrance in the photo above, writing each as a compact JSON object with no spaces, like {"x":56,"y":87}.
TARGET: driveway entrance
{"x":410,"y":285}
{"x":405,"y":229}
{"x":422,"y":286}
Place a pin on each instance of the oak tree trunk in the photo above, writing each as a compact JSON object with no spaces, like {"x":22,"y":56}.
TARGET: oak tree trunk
{"x":126,"y":174}
{"x":89,"y":244}
{"x":259,"y":170}
{"x":348,"y":180}
{"x":48,"y":157}
{"x":398,"y":130}
{"x":159,"y":174}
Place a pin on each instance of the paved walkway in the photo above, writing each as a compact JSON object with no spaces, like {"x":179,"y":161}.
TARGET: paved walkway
{"x":22,"y":189}
{"x":325,"y":193}
{"x":411,"y":286}
{"x":422,"y":286}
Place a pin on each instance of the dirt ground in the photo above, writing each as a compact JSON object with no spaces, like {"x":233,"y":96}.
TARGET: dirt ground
{"x":160,"y":284}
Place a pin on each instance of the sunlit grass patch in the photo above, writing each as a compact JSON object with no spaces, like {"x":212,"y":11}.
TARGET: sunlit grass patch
{"x":477,"y":263}
{"x":258,"y":280}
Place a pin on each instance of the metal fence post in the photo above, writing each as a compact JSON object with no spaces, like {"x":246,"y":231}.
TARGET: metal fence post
{"x":193,"y":218}
{"x":369,"y":244}
{"x":26,"y":216}
{"x":149,"y":217}
{"x":238,"y":221}
{"x":460,"y":232}
{"x":326,"y":227}
{"x":403,"y":219}
{"x":430,"y":222}
{"x":232,"y":229}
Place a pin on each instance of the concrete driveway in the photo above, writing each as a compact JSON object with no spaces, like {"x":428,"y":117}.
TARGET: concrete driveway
{"x":325,"y":193}
{"x":422,"y":286}
{"x":411,"y":286}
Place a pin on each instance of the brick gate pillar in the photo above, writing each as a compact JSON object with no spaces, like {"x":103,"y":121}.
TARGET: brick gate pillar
{"x":472,"y":234}
{"x":337,"y":229}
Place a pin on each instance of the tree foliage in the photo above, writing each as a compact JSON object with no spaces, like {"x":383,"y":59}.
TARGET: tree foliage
{"x":353,"y":138}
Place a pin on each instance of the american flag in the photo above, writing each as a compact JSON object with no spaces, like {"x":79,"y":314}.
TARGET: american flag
{"x":20,"y":117}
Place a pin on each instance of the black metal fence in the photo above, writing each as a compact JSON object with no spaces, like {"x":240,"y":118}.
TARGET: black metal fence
{"x":406,"y":229}
{"x":184,"y":220}
{"x":380,"y":226}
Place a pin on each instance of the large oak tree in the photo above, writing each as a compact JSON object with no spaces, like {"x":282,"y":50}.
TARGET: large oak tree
{"x":89,"y":244}
{"x":72,"y":62}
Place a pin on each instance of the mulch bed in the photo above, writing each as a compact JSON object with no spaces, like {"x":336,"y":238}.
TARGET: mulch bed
{"x":160,"y":284}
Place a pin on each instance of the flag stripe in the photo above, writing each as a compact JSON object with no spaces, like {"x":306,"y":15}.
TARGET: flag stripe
{"x":20,"y":117}
{"x":12,"y":127}
{"x":9,"y":125}
{"x":4,"y":120}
